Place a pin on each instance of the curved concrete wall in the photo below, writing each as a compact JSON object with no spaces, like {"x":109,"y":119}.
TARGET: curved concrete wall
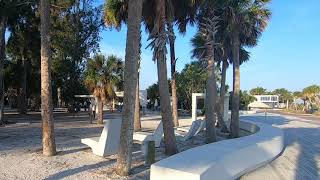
{"x":227,"y":159}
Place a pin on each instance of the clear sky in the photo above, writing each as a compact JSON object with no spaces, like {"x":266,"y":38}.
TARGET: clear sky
{"x":285,"y":57}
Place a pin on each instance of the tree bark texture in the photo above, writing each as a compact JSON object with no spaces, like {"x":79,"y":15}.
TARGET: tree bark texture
{"x":210,"y":102}
{"x":166,"y":110}
{"x":48,"y":139}
{"x":220,"y":107}
{"x":100,"y":111}
{"x":234,"y":126}
{"x":130,"y":82}
{"x":173,"y":76}
{"x":137,"y":121}
{"x":23,"y":93}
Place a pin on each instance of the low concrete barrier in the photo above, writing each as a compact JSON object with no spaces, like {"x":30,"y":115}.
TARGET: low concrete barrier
{"x":228,"y":159}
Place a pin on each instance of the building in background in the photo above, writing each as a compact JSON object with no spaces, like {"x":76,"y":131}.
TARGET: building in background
{"x":272,"y":101}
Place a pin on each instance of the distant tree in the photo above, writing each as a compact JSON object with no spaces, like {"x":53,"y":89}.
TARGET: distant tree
{"x":311,"y":94}
{"x":246,"y":99}
{"x":285,"y":96}
{"x":75,"y":36}
{"x":297,"y":95}
{"x":192,"y":79}
{"x":23,"y":47}
{"x":101,"y":76}
{"x":153,"y":93}
{"x":258,"y":91}
{"x":9,"y":14}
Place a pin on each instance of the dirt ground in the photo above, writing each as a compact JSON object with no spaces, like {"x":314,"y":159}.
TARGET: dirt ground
{"x":21,"y":154}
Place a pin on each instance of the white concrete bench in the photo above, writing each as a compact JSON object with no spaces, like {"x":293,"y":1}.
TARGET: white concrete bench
{"x":156,"y":136}
{"x":108,"y":142}
{"x":227,"y":159}
{"x":191,"y":130}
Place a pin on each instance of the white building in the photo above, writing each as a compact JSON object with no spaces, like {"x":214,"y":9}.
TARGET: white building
{"x":271,"y":100}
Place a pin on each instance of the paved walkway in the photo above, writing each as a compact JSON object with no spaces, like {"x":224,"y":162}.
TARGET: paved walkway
{"x":301,"y":158}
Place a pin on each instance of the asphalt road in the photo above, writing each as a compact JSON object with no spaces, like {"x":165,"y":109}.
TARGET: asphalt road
{"x":312,"y":118}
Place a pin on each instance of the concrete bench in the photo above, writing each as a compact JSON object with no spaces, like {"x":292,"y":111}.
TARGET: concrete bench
{"x":156,"y":136}
{"x":108,"y":142}
{"x":227,"y":159}
{"x":191,"y":130}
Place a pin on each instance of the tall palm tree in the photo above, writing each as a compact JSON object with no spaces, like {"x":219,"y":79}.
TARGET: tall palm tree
{"x":130,"y":82}
{"x":180,"y":12}
{"x":208,"y":22}
{"x":101,"y":77}
{"x":48,"y":139}
{"x":115,"y":15}
{"x":158,"y":44}
{"x":246,"y":20}
{"x":199,"y":50}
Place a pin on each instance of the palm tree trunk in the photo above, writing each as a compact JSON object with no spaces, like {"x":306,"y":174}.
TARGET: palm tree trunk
{"x":234,"y":126}
{"x":211,"y":98}
{"x":59,"y":97}
{"x":130,"y":82}
{"x":3,"y":25}
{"x":137,"y":121}
{"x":23,"y":93}
{"x":100,"y":111}
{"x":220,"y":107}
{"x":173,"y":76}
{"x":166,"y":111}
{"x":48,"y":139}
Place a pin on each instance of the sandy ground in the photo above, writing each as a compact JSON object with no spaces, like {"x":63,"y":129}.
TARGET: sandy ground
{"x":21,"y":154}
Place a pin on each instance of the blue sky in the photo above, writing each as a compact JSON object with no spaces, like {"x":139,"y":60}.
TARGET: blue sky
{"x":286,"y":55}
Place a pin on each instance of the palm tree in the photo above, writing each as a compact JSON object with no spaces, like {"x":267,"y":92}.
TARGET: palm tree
{"x":48,"y":140}
{"x":225,"y":55}
{"x":3,"y":25}
{"x":115,"y":14}
{"x":130,"y":82}
{"x":310,"y":93}
{"x":208,"y":23}
{"x":158,"y":44}
{"x":198,"y":42}
{"x":181,"y":12}
{"x":101,"y":77}
{"x":137,"y":120}
{"x":245,"y":20}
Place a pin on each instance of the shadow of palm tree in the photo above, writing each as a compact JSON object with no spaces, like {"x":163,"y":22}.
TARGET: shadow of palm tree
{"x":62,"y":153}
{"x":302,"y":147}
{"x":70,"y":172}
